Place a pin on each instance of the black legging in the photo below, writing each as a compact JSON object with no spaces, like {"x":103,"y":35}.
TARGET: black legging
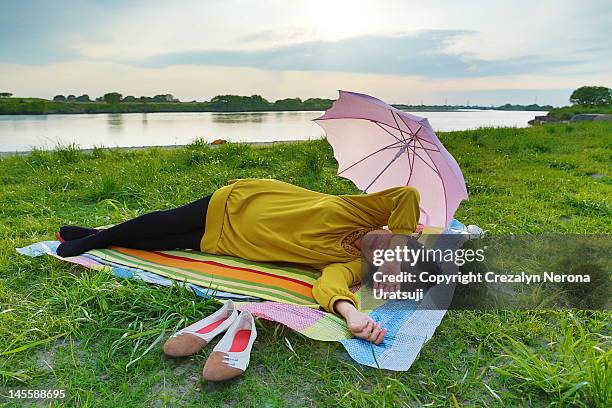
{"x":181,"y":227}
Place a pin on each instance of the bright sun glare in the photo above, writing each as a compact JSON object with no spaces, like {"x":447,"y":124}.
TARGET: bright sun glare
{"x":337,"y":19}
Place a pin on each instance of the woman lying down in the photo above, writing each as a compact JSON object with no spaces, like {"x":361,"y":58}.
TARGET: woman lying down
{"x":272,"y":221}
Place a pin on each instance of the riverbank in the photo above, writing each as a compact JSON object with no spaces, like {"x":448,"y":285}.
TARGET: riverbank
{"x":136,"y":148}
{"x":567,"y":112}
{"x":100,"y":337}
{"x":573,"y":113}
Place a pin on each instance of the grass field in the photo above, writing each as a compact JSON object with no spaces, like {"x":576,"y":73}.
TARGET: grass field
{"x":100,"y":338}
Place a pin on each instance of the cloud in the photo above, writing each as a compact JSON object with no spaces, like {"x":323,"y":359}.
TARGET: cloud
{"x":196,"y":49}
{"x":425,"y":53}
{"x":278,"y":36}
{"x":42,"y":32}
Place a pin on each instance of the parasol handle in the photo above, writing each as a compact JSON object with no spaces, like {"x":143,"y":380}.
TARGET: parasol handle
{"x":426,"y":221}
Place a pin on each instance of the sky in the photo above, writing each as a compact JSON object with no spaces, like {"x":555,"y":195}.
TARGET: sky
{"x":434,"y":52}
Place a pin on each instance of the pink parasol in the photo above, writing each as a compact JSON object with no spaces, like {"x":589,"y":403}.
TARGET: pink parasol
{"x":379,"y":147}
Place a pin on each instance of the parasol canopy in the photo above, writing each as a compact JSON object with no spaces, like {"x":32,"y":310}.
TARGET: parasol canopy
{"x":378,"y":146}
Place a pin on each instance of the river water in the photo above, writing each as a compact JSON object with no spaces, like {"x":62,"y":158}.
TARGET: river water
{"x":24,"y":132}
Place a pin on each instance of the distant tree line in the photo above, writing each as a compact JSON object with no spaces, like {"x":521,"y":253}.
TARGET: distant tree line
{"x":228,"y":103}
{"x":588,"y":97}
{"x":115,"y":102}
{"x":506,"y":107}
{"x":71,"y":98}
{"x":220,"y":102}
{"x":115,"y":97}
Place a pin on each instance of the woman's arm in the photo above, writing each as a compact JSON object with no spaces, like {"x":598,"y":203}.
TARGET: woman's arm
{"x":360,"y":324}
{"x":404,"y":211}
{"x":332,"y":292}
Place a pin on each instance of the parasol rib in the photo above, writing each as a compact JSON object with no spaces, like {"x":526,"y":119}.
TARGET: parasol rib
{"x":368,"y":156}
{"x":399,"y":153}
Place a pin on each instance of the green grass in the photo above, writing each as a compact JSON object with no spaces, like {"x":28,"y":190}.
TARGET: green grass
{"x":98,"y":337}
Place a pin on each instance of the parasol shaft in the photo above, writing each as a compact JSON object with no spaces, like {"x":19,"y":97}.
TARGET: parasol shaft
{"x":399,"y":153}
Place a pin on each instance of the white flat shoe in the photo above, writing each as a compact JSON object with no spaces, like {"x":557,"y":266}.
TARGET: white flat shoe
{"x":193,"y":338}
{"x":232,"y":354}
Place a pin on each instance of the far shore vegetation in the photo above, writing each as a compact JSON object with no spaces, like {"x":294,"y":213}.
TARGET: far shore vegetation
{"x":584,"y":100}
{"x":114,"y":102}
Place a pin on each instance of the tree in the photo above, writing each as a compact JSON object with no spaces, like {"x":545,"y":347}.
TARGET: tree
{"x":71,"y":98}
{"x":164,"y":98}
{"x":83,"y":98}
{"x":129,"y":98}
{"x":289,"y":104}
{"x":230,"y":103}
{"x":112,"y":98}
{"x":317,"y":103}
{"x":592,"y":96}
{"x":59,"y":98}
{"x":5,"y":94}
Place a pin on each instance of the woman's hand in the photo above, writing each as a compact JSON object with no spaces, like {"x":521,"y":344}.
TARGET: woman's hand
{"x":360,"y":324}
{"x":364,"y":327}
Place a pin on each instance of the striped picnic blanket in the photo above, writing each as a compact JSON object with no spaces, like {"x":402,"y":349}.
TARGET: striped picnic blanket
{"x":281,"y":283}
{"x":281,"y":293}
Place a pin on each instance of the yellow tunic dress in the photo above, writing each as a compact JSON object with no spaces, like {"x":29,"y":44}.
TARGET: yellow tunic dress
{"x":273,"y":221}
